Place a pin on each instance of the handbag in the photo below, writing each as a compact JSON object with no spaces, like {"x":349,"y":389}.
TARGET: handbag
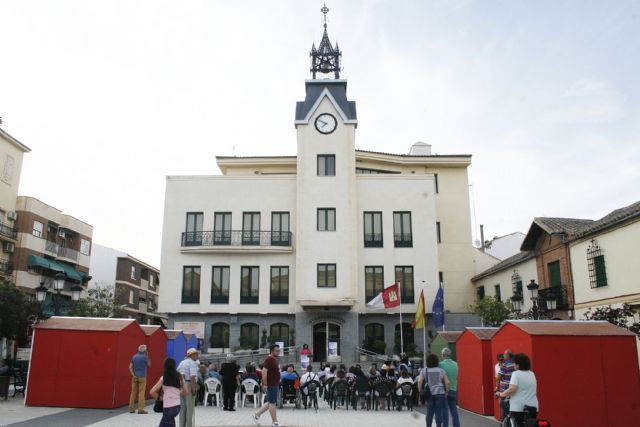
{"x":158,"y":406}
{"x":426,"y":390}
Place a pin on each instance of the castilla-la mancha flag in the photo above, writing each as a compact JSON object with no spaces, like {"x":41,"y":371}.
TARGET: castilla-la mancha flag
{"x":388,"y":298}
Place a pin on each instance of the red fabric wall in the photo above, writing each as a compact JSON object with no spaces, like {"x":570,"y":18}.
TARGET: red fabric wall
{"x":475,"y":380}
{"x":129,"y":339}
{"x":157,"y":347}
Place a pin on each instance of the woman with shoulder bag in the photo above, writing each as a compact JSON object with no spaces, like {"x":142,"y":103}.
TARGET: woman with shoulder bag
{"x":436,"y":379}
{"x":172,"y":386}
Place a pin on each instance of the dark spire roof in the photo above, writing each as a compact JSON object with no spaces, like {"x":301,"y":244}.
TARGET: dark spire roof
{"x":325,"y":59}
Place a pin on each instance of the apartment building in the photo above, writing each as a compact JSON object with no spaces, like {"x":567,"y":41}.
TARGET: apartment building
{"x":136,"y":284}
{"x":49,"y":242}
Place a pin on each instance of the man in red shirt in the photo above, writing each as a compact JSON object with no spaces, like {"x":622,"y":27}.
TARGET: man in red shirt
{"x":270,"y":385}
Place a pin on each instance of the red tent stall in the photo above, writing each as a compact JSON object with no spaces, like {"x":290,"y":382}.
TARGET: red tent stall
{"x":79,"y":362}
{"x":156,"y":341}
{"x":476,"y":379}
{"x":587,"y":371}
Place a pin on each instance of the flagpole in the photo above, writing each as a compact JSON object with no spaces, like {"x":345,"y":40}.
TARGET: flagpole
{"x":444,"y":323}
{"x":424,"y":329}
{"x":400,"y":306}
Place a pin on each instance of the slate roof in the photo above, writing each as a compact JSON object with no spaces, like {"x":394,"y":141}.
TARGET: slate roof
{"x":614,"y":218}
{"x":569,"y":327}
{"x":505,"y":264}
{"x":483,"y":334}
{"x":450,"y":336}
{"x":337,"y":88}
{"x":85,"y":324}
{"x":567,"y":226}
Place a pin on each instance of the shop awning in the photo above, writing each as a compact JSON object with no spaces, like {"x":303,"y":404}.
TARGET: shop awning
{"x":37,"y":261}
{"x":71,"y":273}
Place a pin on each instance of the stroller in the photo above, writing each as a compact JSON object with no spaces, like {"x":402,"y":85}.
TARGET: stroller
{"x":289,"y":393}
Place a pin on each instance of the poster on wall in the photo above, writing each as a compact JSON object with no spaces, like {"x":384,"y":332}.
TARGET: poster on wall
{"x":333,"y":348}
{"x":196,"y":328}
{"x":304,"y":362}
{"x":281,"y":345}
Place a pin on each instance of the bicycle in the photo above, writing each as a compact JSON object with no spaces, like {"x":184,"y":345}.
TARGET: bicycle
{"x":530,"y":418}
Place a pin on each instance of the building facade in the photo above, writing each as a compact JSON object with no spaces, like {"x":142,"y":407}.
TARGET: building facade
{"x":50,"y":242}
{"x":11,"y":154}
{"x":291,"y":248}
{"x":136,"y":284}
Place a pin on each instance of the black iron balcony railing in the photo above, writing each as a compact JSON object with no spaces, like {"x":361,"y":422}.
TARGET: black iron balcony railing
{"x":372,"y":240}
{"x":7,"y":231}
{"x":6,"y":268}
{"x":561,"y":295}
{"x":236,"y":238}
{"x":403,"y":240}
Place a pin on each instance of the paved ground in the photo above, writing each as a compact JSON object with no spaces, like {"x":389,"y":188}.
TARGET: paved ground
{"x":13,"y":413}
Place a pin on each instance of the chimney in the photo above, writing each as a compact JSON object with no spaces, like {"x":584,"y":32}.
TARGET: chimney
{"x":420,"y":149}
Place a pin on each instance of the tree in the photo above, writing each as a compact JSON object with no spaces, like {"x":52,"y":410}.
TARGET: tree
{"x":622,"y":316}
{"x":18,"y":313}
{"x":493,"y":311}
{"x":101,"y":301}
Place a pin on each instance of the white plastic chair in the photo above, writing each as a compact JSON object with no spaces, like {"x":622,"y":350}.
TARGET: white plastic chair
{"x":248,"y":388}
{"x":213,"y":387}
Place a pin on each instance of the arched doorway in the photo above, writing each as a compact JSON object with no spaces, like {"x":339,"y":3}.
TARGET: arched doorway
{"x":374,"y":338}
{"x":219,"y":335}
{"x":249,"y":338}
{"x":407,"y":335}
{"x":326,"y":341}
{"x":279,"y":333}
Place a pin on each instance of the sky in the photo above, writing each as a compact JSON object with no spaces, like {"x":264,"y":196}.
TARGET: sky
{"x":113,"y":96}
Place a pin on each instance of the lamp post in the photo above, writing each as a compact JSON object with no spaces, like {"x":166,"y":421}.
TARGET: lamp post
{"x":533,"y":288}
{"x":539,"y":304}
{"x":58,"y":286}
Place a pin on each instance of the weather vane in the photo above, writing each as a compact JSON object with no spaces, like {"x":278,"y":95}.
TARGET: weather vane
{"x":325,"y":59}
{"x":325,"y":10}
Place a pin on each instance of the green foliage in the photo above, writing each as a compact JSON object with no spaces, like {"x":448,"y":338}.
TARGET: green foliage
{"x":493,"y":311}
{"x":622,"y":316}
{"x":17,"y":312}
{"x":100,"y":301}
{"x":245,"y":343}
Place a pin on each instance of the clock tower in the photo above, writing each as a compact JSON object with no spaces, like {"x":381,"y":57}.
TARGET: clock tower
{"x":326,"y":205}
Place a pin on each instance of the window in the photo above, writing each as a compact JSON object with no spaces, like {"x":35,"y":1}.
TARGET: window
{"x":597,"y":268}
{"x":133,"y":272}
{"x":152,"y":279}
{"x":480,"y":292}
{"x":440,"y":278}
{"x":85,"y":247}
{"x":37,"y":228}
{"x":326,"y":165}
{"x":435,"y":177}
{"x":249,"y":338}
{"x":373,"y":282}
{"x":280,"y":229}
{"x":438,"y":232}
{"x":402,"y":230}
{"x":193,"y":232}
{"x":516,"y":283}
{"x":219,"y":335}
{"x":555,"y":279}
{"x":373,"y":229}
{"x":144,"y":273}
{"x":326,"y":275}
{"x":326,"y":219}
{"x":279,"y":332}
{"x":497,"y":292}
{"x":222,"y":228}
{"x":404,"y":277}
{"x":131,"y":297}
{"x":251,"y":228}
{"x":249,"y":285}
{"x":279,"y":285}
{"x":220,"y":285}
{"x":191,"y":285}
{"x":374,"y":332}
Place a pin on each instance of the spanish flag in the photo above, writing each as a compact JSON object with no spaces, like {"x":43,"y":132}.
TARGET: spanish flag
{"x":418,"y":322}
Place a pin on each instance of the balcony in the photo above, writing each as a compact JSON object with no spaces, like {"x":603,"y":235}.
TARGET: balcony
{"x":68,"y":253}
{"x":6,"y":268}
{"x":373,"y":240}
{"x":51,"y":248}
{"x":560,"y":293}
{"x":237,"y":240}
{"x":8,"y":232}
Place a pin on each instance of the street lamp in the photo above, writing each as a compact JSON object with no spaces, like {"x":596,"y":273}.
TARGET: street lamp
{"x":551,"y":301}
{"x":57,"y":287}
{"x":516,"y":301}
{"x":533,"y":288}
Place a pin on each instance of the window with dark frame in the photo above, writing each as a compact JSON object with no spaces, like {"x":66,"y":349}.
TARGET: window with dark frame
{"x":402,"y":236}
{"x":498,"y":295}
{"x":555,"y":278}
{"x":438,"y":232}
{"x":193,"y":229}
{"x":279,"y":332}
{"x":326,"y":165}
{"x":596,"y":265}
{"x":220,"y":284}
{"x":222,"y":228}
{"x":279,"y":285}
{"x":219,"y":335}
{"x":404,"y":277}
{"x":280,"y":235}
{"x":251,"y":228}
{"x":372,"y":229}
{"x":373,"y":281}
{"x":249,"y":285}
{"x":249,"y":335}
{"x":326,"y":275}
{"x":435,"y":177}
{"x":326,"y":219}
{"x":480,"y":292}
{"x":440,"y":278}
{"x":191,"y":285}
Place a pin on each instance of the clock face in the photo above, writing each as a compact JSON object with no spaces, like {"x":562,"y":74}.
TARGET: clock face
{"x":326,"y":123}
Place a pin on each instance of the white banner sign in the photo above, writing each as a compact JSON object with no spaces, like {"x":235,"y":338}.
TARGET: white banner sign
{"x":333,"y":348}
{"x":196,"y":328}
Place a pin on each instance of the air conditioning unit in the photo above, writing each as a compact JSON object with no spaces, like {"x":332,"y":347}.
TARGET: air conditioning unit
{"x":61,"y":234}
{"x":9,"y":247}
{"x":12,"y":215}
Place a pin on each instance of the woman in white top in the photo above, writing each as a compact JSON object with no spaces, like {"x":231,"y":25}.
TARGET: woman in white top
{"x":522,"y":391}
{"x":404,"y":378}
{"x":172,"y":385}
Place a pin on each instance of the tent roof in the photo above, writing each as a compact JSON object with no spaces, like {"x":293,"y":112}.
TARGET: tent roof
{"x":150,"y":329}
{"x":172,"y":333}
{"x":483,"y":333}
{"x":85,"y":324}
{"x":450,"y":336}
{"x":188,"y":336}
{"x":569,"y":327}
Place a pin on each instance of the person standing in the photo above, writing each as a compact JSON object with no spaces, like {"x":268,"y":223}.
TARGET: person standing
{"x":138,"y":368}
{"x":230,"y":372}
{"x":503,"y":378}
{"x":522,"y":390}
{"x":188,"y":368}
{"x":451,"y":402}
{"x":172,"y":386}
{"x":434,"y":377}
{"x":270,"y":385}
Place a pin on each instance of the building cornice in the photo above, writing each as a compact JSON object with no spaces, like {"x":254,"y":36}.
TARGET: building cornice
{"x":14,"y":141}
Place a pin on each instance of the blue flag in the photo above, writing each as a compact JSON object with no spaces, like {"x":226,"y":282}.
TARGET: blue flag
{"x":438,"y":308}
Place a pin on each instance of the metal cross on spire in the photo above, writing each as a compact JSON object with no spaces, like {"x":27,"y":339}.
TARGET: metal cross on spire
{"x":325,"y":10}
{"x":325,"y":59}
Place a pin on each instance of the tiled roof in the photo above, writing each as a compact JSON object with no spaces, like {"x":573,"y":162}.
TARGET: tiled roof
{"x":85,"y":324}
{"x":570,"y":327}
{"x":505,"y":264}
{"x":567,"y":226}
{"x":450,"y":336}
{"x":149,"y":329}
{"x":172,"y":333}
{"x":483,"y":334}
{"x":616,"y":217}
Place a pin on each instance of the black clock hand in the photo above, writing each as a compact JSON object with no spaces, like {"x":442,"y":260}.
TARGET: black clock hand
{"x":323,"y":123}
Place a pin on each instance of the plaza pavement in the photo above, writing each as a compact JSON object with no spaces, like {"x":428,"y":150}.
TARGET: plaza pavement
{"x":13,"y":413}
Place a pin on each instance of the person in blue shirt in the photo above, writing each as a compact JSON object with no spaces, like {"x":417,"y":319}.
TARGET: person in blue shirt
{"x":289,"y":374}
{"x":138,"y":368}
